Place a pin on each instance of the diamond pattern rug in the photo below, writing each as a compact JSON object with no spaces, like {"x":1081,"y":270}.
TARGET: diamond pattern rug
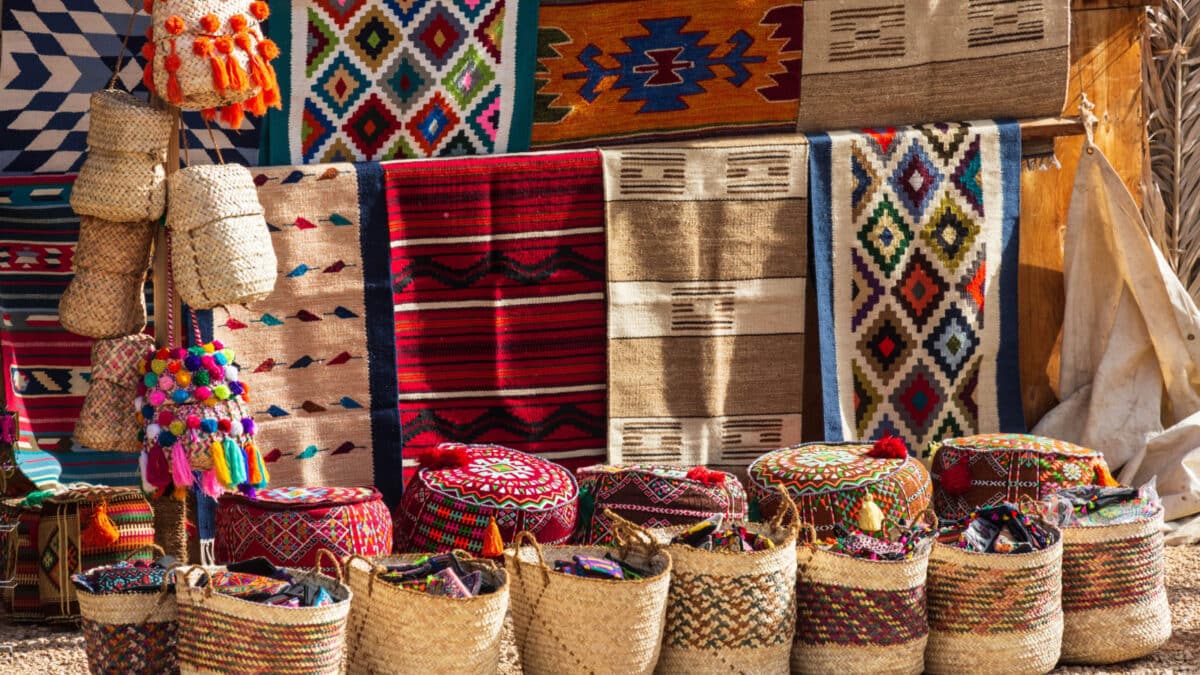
{"x":395,"y":79}
{"x":54,"y":55}
{"x":915,"y":247}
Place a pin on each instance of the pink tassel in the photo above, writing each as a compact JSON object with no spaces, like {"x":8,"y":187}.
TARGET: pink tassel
{"x":209,"y":484}
{"x":181,"y":470}
{"x":158,"y":473}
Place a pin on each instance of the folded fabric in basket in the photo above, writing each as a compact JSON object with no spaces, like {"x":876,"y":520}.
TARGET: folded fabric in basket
{"x":998,"y":529}
{"x":126,"y":577}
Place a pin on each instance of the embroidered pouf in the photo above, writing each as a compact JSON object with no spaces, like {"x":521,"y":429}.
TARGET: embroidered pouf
{"x":832,"y":484}
{"x":19,"y":559}
{"x":289,"y":525}
{"x":450,"y":502}
{"x":989,"y":469}
{"x":654,"y":496}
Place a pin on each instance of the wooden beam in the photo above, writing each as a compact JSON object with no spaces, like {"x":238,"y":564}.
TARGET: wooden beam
{"x":1051,"y":127}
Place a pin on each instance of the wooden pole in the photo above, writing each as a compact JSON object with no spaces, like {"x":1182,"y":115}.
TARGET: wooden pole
{"x":165,"y":331}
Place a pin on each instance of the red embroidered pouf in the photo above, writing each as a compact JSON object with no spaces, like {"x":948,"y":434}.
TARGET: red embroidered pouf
{"x":289,"y":525}
{"x":459,"y":489}
{"x":832,"y":483}
{"x":988,"y":469}
{"x":654,"y":496}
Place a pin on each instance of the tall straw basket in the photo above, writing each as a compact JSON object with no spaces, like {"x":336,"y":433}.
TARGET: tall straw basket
{"x":1114,"y":592}
{"x":105,"y":299}
{"x":994,"y":612}
{"x":108,"y":419}
{"x":223,"y":634}
{"x":123,"y":178}
{"x":134,"y":633}
{"x":731,"y":611}
{"x":222,"y":253}
{"x":401,"y":630}
{"x":856,"y":615}
{"x":569,"y":624}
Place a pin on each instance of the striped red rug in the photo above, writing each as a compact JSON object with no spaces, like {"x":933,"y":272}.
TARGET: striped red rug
{"x":498,"y":278}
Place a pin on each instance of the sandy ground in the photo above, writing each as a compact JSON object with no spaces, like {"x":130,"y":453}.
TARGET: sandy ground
{"x":45,"y":649}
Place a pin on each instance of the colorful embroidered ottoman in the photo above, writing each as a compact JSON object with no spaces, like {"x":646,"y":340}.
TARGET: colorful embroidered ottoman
{"x":289,"y":525}
{"x":654,"y":496}
{"x":832,"y":482}
{"x":988,"y":469}
{"x":87,"y":528}
{"x":19,"y":559}
{"x":459,"y":489}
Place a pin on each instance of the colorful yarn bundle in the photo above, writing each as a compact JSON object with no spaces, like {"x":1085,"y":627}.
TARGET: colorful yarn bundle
{"x":206,"y":54}
{"x":191,"y":402}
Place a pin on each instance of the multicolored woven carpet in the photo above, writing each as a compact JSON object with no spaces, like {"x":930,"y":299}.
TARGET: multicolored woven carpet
{"x":915,"y":248}
{"x":626,"y":70}
{"x":390,"y":79}
{"x":54,"y":55}
{"x":871,"y":63}
{"x":498,"y":281}
{"x":47,"y":369}
{"x":707,"y":259}
{"x":318,"y":353}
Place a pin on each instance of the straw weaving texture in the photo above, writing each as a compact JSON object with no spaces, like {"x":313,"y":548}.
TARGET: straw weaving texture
{"x":108,"y":419}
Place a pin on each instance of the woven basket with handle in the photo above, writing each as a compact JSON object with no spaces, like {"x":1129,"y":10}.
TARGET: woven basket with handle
{"x":108,"y":419}
{"x":106,"y":298}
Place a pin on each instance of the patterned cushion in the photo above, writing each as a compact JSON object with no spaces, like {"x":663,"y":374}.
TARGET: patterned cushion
{"x":289,"y":525}
{"x":651,"y":495}
{"x":1002,"y":467}
{"x":449,"y":508}
{"x":830,"y":481}
{"x":19,"y":559}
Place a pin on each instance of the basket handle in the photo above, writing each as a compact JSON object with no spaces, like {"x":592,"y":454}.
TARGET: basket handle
{"x":631,"y":536}
{"x":337,"y":564}
{"x":526,"y":537}
{"x":187,"y":571}
{"x":153,"y":547}
{"x":805,"y":530}
{"x":162,"y":592}
{"x":787,"y":508}
{"x":112,"y":84}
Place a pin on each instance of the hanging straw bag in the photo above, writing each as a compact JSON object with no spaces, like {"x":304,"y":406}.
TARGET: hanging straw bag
{"x":170,"y":526}
{"x":731,"y":611}
{"x":105,"y":299}
{"x":856,"y":615}
{"x":108,"y":419}
{"x":222,"y":634}
{"x":400,"y":630}
{"x":222,"y":251}
{"x":123,"y":177}
{"x":1114,"y":592}
{"x":570,"y":624}
{"x":995,"y":612}
{"x":134,"y":633}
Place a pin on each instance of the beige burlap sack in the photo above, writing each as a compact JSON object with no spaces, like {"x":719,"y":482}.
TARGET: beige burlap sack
{"x":221,"y":247}
{"x":106,"y":298}
{"x":123,"y":177}
{"x":569,"y":624}
{"x":400,"y":630}
{"x":108,"y":419}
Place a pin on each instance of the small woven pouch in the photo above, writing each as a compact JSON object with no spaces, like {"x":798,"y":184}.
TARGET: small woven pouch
{"x":108,"y":420}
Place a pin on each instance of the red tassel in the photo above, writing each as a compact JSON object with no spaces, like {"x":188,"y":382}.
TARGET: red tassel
{"x":255,"y":105}
{"x":171,"y":63}
{"x":233,"y":115}
{"x":238,"y":80}
{"x":704,"y":475}
{"x":203,"y":47}
{"x":444,"y":456}
{"x":889,"y":447}
{"x":148,"y":6}
{"x":209,"y":114}
{"x":148,"y":73}
{"x":956,"y":480}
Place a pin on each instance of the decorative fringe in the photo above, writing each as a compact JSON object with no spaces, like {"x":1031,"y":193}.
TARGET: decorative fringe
{"x":171,"y":63}
{"x":259,"y":476}
{"x":209,"y":114}
{"x":255,"y":105}
{"x":233,"y":115}
{"x":269,"y":52}
{"x":238,"y":80}
{"x":101,"y":532}
{"x":704,"y":475}
{"x":210,"y":484}
{"x":493,"y":542}
{"x":157,"y":472}
{"x":220,"y":465}
{"x":237,"y":463}
{"x":203,"y":47}
{"x":1104,"y":477}
{"x":148,"y":73}
{"x":181,"y":471}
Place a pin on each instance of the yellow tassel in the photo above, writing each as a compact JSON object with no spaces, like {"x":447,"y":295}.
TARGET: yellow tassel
{"x":870,"y":518}
{"x":101,"y":532}
{"x":493,"y":542}
{"x":1104,"y":477}
{"x":219,"y":465}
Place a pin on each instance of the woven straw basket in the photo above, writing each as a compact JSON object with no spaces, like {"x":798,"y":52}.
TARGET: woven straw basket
{"x":730,"y":611}
{"x":859,"y":616}
{"x":195,"y":73}
{"x":569,"y":624}
{"x":123,"y":178}
{"x":1114,"y":593}
{"x":970,"y":631}
{"x":108,"y":418}
{"x":223,"y":634}
{"x":222,"y":253}
{"x":400,"y":630}
{"x":105,"y":299}
{"x":133,"y":633}
{"x":170,"y":526}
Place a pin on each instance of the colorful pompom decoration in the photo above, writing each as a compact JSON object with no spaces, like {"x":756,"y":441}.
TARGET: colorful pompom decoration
{"x":889,"y":447}
{"x":702,"y":474}
{"x":956,"y":480}
{"x":196,"y":418}
{"x":444,"y":456}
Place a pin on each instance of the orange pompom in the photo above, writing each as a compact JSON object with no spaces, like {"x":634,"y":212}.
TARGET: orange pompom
{"x":171,"y":63}
{"x":202,"y":46}
{"x":237,"y":22}
{"x":268,"y":49}
{"x":224,"y":44}
{"x":260,"y":10}
{"x":148,"y":6}
{"x":148,"y":51}
{"x":242,"y":40}
{"x":174,"y":25}
{"x":210,"y":23}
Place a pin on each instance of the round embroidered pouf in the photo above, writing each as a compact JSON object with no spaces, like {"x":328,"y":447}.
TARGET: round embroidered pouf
{"x":831,"y":483}
{"x":450,"y":507}
{"x":653,"y":496}
{"x":289,"y":525}
{"x":988,"y":469}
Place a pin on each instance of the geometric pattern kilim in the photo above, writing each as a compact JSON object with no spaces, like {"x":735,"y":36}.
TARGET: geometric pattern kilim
{"x":915,"y":239}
